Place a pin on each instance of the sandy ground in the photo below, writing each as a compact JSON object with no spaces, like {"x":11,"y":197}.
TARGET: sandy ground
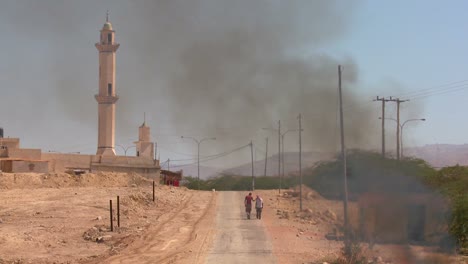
{"x":299,"y":237}
{"x":62,"y":218}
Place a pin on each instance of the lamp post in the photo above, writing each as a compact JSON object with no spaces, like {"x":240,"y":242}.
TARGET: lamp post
{"x":125,"y":148}
{"x":198,"y":141}
{"x":400,"y":143}
{"x":279,"y":151}
{"x":282,"y":148}
{"x":403,"y":125}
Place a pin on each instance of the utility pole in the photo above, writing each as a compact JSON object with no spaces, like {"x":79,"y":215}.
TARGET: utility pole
{"x":266,"y":157}
{"x":300,"y":161}
{"x":168,"y":164}
{"x":279,"y":155}
{"x":398,"y":101}
{"x":282,"y":155}
{"x":383,"y":122}
{"x":343,"y":156}
{"x":253,"y":177}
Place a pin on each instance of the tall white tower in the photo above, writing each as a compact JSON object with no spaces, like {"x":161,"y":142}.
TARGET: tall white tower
{"x":107,"y":97}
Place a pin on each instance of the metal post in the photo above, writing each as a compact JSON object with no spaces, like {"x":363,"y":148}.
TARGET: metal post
{"x":402,"y":126}
{"x":153,"y":192}
{"x":198,"y":167}
{"x":253,"y":177}
{"x":279,"y":155}
{"x":343,"y":156}
{"x":198,"y":155}
{"x":266,"y":157}
{"x":118,"y":211}
{"x":282,"y":155}
{"x":300,"y":161}
{"x":398,"y":129}
{"x":111,"y":217}
{"x":383,"y":127}
{"x":401,"y":141}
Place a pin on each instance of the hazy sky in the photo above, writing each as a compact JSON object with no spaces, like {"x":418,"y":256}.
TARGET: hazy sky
{"x":226,"y":69}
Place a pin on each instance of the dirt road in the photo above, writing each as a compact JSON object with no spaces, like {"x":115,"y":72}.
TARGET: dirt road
{"x":238,"y":240}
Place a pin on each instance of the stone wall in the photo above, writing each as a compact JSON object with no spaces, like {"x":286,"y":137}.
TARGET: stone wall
{"x":27,"y":154}
{"x":59,"y":162}
{"x":21,"y":166}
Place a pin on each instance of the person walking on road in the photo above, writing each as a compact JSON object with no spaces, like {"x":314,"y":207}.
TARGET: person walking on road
{"x":248,"y":204}
{"x":259,"y":206}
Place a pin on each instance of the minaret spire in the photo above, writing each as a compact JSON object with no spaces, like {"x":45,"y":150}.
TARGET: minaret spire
{"x":107,"y":95}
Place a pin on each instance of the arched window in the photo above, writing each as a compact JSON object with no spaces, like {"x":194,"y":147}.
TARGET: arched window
{"x":109,"y":89}
{"x":109,"y":38}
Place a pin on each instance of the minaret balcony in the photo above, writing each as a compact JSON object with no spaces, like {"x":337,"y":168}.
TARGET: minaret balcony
{"x":104,"y":47}
{"x":106,"y":99}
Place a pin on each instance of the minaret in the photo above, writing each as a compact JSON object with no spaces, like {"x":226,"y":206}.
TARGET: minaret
{"x":144,"y":146}
{"x":107,"y":97}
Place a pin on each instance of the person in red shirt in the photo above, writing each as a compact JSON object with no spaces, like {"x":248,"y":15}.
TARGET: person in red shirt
{"x":248,"y":204}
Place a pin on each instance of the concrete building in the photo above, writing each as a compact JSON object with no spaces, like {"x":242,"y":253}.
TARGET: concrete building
{"x":106,"y":97}
{"x":16,"y":159}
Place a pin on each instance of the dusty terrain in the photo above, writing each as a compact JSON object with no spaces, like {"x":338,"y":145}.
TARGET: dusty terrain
{"x":62,"y":218}
{"x":300,"y":237}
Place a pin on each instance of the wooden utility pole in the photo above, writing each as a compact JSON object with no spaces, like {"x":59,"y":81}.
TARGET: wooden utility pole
{"x":253,"y":177}
{"x":398,"y":102}
{"x":343,"y":157}
{"x":300,"y":161}
{"x":266,"y":157}
{"x":383,"y":122}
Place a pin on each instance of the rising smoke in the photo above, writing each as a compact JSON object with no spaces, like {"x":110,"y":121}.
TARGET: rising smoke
{"x":218,"y":67}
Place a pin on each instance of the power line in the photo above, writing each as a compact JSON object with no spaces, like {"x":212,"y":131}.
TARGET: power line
{"x":213,"y":157}
{"x":433,"y":89}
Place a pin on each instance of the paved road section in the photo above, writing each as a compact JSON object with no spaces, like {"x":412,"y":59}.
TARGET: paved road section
{"x":237,"y":239}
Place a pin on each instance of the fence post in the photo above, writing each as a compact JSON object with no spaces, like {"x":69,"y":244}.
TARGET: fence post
{"x":111,"y":222}
{"x":118,"y":211}
{"x":153,"y":191}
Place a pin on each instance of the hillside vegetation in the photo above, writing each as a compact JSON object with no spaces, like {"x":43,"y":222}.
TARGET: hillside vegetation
{"x":369,"y":172}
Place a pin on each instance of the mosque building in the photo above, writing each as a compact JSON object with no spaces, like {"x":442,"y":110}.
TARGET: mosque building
{"x":15,"y":159}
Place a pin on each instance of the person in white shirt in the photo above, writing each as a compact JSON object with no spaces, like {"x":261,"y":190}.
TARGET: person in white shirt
{"x":259,"y":206}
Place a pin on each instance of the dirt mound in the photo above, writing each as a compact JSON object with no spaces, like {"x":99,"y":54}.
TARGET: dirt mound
{"x":57,"y":180}
{"x":307,"y":193}
{"x":136,"y":202}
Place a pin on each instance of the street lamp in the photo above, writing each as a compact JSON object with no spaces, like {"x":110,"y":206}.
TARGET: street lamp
{"x":402,"y":125}
{"x":125,"y":148}
{"x":400,"y":144}
{"x":282,"y":148}
{"x":198,"y":155}
{"x":279,"y":151}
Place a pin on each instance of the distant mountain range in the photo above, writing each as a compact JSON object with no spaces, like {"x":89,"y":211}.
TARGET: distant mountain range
{"x":437,"y":155}
{"x":440,"y":155}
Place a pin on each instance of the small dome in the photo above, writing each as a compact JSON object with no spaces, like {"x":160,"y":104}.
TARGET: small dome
{"x":107,"y":26}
